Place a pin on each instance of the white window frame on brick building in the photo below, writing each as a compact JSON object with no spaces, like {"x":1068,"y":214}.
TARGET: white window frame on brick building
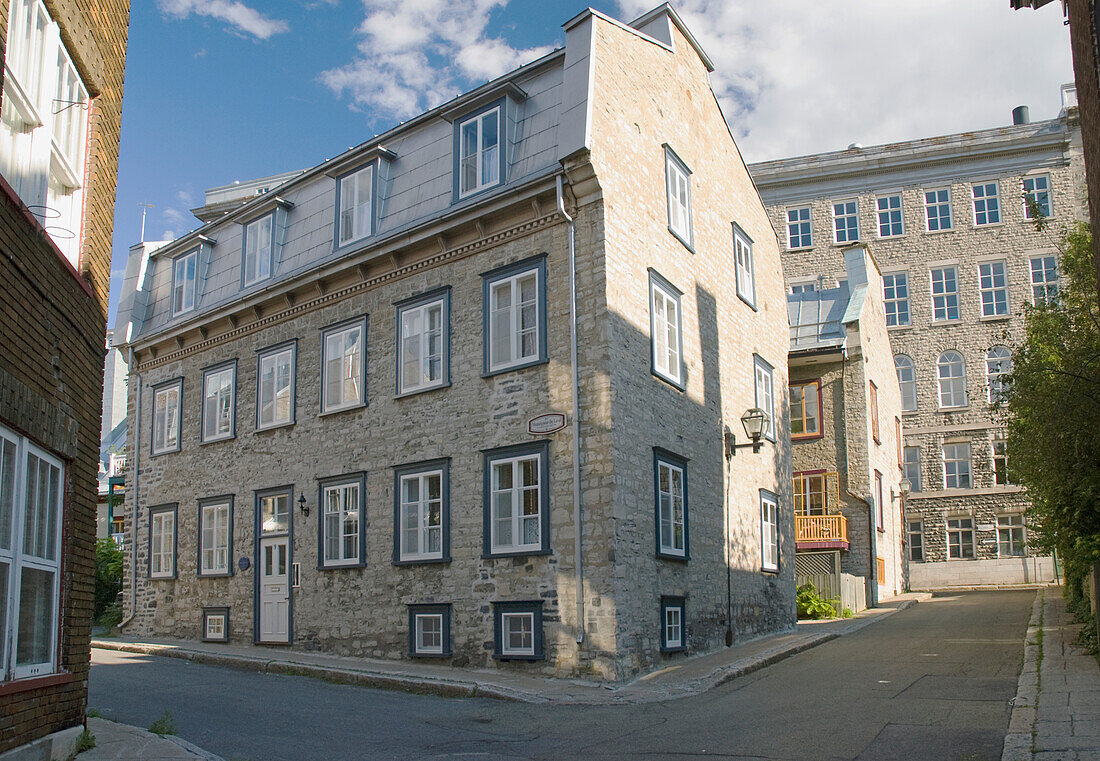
{"x":799,"y":228}
{"x":341,"y":528}
{"x":945,"y":293}
{"x":215,"y":536}
{"x":890,"y":222}
{"x":845,"y":221}
{"x":998,"y":364}
{"x":986,"y":203}
{"x":32,"y":484}
{"x":517,"y":631}
{"x":911,"y":467}
{"x":937,"y":210}
{"x":956,"y":466}
{"x":421,"y":512}
{"x":1045,"y":275}
{"x":951,"y":377}
{"x":666,"y":330}
{"x":671,"y":487}
{"x":678,"y":186}
{"x":960,"y":538}
{"x":167,"y":401}
{"x":479,"y":140}
{"x":162,"y":542}
{"x":993,"y":288}
{"x":915,"y":534}
{"x":355,"y":205}
{"x":1011,"y":535}
{"x":895,"y":298}
{"x":764,"y":392}
{"x":184,"y":282}
{"x":514,"y":299}
{"x":430,"y":630}
{"x":743,"y":266}
{"x":673,"y":621}
{"x":769,"y":531}
{"x":278,"y":363}
{"x":258,"y":250}
{"x":343,"y":366}
{"x":219,"y":394}
{"x":1036,"y":190}
{"x":516,"y":494}
{"x":907,"y":381}
{"x":424,"y":342}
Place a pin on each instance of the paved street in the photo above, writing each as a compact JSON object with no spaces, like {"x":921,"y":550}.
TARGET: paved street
{"x":931,"y":682}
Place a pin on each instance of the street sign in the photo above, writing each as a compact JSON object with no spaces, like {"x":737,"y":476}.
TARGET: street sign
{"x":550,"y":422}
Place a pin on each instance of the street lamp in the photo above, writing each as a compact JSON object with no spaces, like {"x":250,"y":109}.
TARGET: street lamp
{"x":302,"y":505}
{"x":904,"y":487}
{"x":756,"y":423}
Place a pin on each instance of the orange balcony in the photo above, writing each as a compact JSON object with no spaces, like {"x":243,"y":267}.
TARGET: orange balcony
{"x":820,"y":532}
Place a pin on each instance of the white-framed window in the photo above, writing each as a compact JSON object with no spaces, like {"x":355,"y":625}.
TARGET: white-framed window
{"x":998,"y":364}
{"x":259,"y":248}
{"x":429,"y":633}
{"x":1044,"y":279}
{"x":479,"y":158}
{"x":356,"y":191}
{"x":769,"y":531}
{"x":743,"y":264}
{"x":951,"y":374}
{"x":672,"y":505}
{"x":960,"y":538}
{"x":945,"y":293}
{"x":665,"y":329}
{"x":673,"y":636}
{"x":517,"y":500}
{"x":845,"y":222}
{"x":422,"y":497}
{"x":515,"y":302}
{"x":162,"y":542}
{"x":937,"y":209}
{"x":519,"y":633}
{"x":809,"y":286}
{"x":215,"y":536}
{"x":993,"y":286}
{"x":219,"y":392}
{"x":987,"y":203}
{"x":1011,"y":541}
{"x":956,"y":466}
{"x":166,"y":416}
{"x":32,"y":484}
{"x":275,"y":396}
{"x":799,"y":230}
{"x":517,"y":630}
{"x":911,"y":467}
{"x":895,"y":298}
{"x":678,"y":185}
{"x":274,"y":512}
{"x":889,"y":216}
{"x":999,"y":452}
{"x":765,"y":394}
{"x":1037,"y":196}
{"x":215,"y":624}
{"x":342,"y":521}
{"x":907,"y":382}
{"x":424,"y":343}
{"x":183,"y":282}
{"x":915,"y":534}
{"x":342,"y":368}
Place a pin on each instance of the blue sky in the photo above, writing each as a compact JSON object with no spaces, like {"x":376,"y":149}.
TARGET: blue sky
{"x":221,"y":90}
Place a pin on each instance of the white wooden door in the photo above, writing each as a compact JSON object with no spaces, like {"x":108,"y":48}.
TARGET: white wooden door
{"x":274,"y":590}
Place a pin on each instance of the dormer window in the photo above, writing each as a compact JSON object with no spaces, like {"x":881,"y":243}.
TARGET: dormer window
{"x":355,"y":192}
{"x":479,"y":162}
{"x":258,"y":249}
{"x":183,"y":282}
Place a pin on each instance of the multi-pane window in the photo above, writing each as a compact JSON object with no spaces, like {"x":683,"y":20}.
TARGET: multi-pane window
{"x":895,"y":297}
{"x":215,"y":521}
{"x":162,"y":542}
{"x":812,"y":493}
{"x":341,"y":522}
{"x":993,"y":286}
{"x":259,"y":248}
{"x":343,"y":366}
{"x":807,"y":287}
{"x":518,"y":630}
{"x":889,"y":216}
{"x":907,"y":382}
{"x":937,"y":209}
{"x":275,"y":404}
{"x":422,"y":345}
{"x":275,"y":512}
{"x":805,"y":409}
{"x":799,"y":233}
{"x":915,"y":534}
{"x":951,"y":374}
{"x":911,"y":467}
{"x":956,"y":466}
{"x":998,"y":364}
{"x":215,"y":624}
{"x":999,"y":452}
{"x":429,"y":633}
{"x":183,"y":282}
{"x":987,"y":203}
{"x":1044,"y":279}
{"x":671,"y":482}
{"x":742,"y":256}
{"x":517,"y":509}
{"x":421,"y":492}
{"x":1037,"y":197}
{"x":430,"y":630}
{"x":514,"y":300}
{"x":31,"y":506}
{"x":479,"y":158}
{"x":356,"y":191}
{"x":845,"y":222}
{"x":769,"y":532}
{"x":166,"y":416}
{"x":872,"y":400}
{"x":945,"y":293}
{"x":960,"y":538}
{"x":665,"y":329}
{"x":672,"y":624}
{"x":765,"y":394}
{"x":677,"y":177}
{"x":218,"y":401}
{"x":1010,"y":536}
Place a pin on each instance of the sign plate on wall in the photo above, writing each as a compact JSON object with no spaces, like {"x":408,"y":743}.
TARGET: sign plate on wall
{"x":551,"y":422}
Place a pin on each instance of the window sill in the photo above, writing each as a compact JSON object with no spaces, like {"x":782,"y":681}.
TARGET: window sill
{"x":953,"y":409}
{"x":516,"y":554}
{"x":445,"y":654}
{"x":892,"y":237}
{"x":987,"y":225}
{"x":771,"y":571}
{"x":670,"y":650}
{"x":676,"y":558}
{"x":164,"y":452}
{"x":880,"y":529}
{"x":419,"y":391}
{"x":899,"y":328}
{"x":462,"y":197}
{"x":750,"y":304}
{"x":938,"y":232}
{"x":995,"y":318}
{"x":808,"y":437}
{"x":218,"y":440}
{"x":36,"y":683}
{"x":349,"y":408}
{"x":222,"y":575}
{"x":528,"y":658}
{"x":680,"y":238}
{"x":665,"y":379}
{"x":423,"y":561}
{"x":340,"y":566}
{"x":800,"y":249}
{"x":945,"y":323}
{"x":274,"y":427}
{"x":161,"y":578}
{"x":846,"y":243}
{"x":513,"y":368}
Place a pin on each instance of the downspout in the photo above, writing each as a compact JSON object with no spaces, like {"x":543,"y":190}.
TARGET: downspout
{"x":872,"y":544}
{"x":578,"y":561}
{"x":133,"y":468}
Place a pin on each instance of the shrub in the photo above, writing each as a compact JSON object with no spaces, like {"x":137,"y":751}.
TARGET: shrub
{"x":108,"y":575}
{"x":812,"y":605}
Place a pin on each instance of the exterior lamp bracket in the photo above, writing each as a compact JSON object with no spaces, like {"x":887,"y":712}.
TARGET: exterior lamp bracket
{"x":756,"y":424}
{"x":302,"y":505}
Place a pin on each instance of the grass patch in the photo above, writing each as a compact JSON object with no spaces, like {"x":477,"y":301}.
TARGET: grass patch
{"x":86,"y":741}
{"x":165,"y":725}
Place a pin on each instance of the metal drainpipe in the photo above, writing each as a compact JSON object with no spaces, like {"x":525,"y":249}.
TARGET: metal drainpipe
{"x":578,"y":561}
{"x":133,"y":468}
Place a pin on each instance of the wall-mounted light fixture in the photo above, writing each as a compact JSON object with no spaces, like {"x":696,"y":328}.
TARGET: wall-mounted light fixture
{"x":302,"y":505}
{"x":756,"y":424}
{"x":904,"y":487}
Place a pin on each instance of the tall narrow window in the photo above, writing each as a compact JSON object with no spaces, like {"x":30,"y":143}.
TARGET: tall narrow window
{"x":956,"y":466}
{"x":916,"y":541}
{"x":889,"y":216}
{"x":166,"y":416}
{"x":895,"y":297}
{"x":999,"y":452}
{"x":421,"y":512}
{"x":765,"y":394}
{"x":937,"y":209}
{"x":356,"y":191}
{"x":814,"y":492}
{"x":517,"y":519}
{"x":671,"y":485}
{"x":673,"y":620}
{"x":951,"y":372}
{"x":423,"y":345}
{"x":960,"y":538}
{"x":162,"y":542}
{"x":799,"y":231}
{"x":987,"y":203}
{"x":479,"y":158}
{"x":746,"y":275}
{"x":993,"y":285}
{"x":183,"y":282}
{"x":945,"y":293}
{"x":805,"y":409}
{"x":907,"y":382}
{"x":845,"y":222}
{"x":342,"y":499}
{"x":258,"y":249}
{"x":769,"y":531}
{"x":911,"y":467}
{"x":515,"y":303}
{"x":218,"y":402}
{"x":1037,"y":197}
{"x":678,"y":180}
{"x":215,"y":536}
{"x":998,"y":364}
{"x":872,"y":400}
{"x":343,"y":369}
{"x":1044,"y":279}
{"x":1010,"y":536}
{"x":665,"y":331}
{"x":275,"y":403}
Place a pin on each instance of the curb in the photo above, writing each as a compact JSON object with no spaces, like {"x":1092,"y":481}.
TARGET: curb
{"x":1021,"y":727}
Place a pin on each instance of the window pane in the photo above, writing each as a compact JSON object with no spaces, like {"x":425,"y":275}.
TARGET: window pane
{"x":7,"y":494}
{"x":36,"y":617}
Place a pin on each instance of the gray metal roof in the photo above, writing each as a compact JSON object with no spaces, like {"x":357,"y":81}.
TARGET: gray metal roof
{"x":817,"y":319}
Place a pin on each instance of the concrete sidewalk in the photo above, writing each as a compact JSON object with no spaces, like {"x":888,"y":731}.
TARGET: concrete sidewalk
{"x":1056,"y":713}
{"x":683,"y":677}
{"x":121,"y":742}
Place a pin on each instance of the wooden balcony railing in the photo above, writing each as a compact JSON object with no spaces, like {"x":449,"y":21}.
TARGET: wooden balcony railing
{"x":820,"y":528}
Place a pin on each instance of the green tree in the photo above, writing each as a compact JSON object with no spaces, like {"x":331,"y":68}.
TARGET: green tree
{"x":108,"y":574}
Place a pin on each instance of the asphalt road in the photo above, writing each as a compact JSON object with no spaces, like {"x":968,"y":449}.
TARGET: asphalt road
{"x":932,"y":682}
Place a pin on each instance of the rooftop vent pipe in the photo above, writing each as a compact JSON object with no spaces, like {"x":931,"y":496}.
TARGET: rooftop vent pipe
{"x":1020,"y":115}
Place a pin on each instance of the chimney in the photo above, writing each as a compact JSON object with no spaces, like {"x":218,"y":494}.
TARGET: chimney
{"x":1020,"y":115}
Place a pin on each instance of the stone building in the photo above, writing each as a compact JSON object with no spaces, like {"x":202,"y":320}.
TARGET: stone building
{"x":846,"y":440}
{"x":59,"y":133}
{"x":947,"y":222}
{"x":461,"y":392}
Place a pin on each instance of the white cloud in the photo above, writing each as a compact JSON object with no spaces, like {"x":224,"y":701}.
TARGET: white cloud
{"x":238,"y":15}
{"x":797,"y":77}
{"x":422,"y":53}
